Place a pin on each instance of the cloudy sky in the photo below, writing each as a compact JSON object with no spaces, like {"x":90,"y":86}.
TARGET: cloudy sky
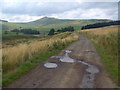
{"x":29,"y":10}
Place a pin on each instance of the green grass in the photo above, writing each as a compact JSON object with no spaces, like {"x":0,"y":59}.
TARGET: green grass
{"x":107,"y":48}
{"x":110,"y":64}
{"x":9,"y":77}
{"x":77,"y":27}
{"x":25,"y":67}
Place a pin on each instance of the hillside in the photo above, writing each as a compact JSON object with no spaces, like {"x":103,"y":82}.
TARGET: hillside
{"x":49,"y":20}
{"x":46,"y":23}
{"x":3,"y":20}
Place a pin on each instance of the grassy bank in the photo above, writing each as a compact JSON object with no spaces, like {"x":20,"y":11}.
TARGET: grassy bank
{"x":20,"y":59}
{"x":9,"y":77}
{"x":106,"y":43}
{"x":108,"y":50}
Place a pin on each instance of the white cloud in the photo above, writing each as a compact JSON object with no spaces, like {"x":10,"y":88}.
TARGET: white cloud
{"x":25,"y":10}
{"x":19,"y":18}
{"x":61,"y":0}
{"x":94,"y":13}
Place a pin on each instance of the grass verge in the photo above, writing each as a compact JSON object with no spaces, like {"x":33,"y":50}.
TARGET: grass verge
{"x":107,"y":48}
{"x":23,"y":68}
{"x":110,"y":65}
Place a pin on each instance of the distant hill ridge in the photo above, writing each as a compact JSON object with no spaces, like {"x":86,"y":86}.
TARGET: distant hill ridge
{"x":52,"y":20}
{"x":46,"y":23}
{"x":48,"y":20}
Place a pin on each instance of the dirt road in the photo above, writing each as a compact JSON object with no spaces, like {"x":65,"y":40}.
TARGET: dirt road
{"x":68,"y":75}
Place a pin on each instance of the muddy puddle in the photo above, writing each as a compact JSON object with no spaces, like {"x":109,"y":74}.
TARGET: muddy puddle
{"x":88,"y":79}
{"x":50,"y":65}
{"x":66,"y":57}
{"x":91,"y":70}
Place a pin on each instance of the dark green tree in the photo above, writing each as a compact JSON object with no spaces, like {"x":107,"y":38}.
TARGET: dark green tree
{"x":59,"y":30}
{"x":17,"y":33}
{"x":6,"y":32}
{"x":102,"y":24}
{"x":52,"y":32}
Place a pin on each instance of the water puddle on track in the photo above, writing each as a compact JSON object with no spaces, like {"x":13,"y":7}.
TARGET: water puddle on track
{"x":88,"y":78}
{"x":50,"y":65}
{"x":66,"y":58}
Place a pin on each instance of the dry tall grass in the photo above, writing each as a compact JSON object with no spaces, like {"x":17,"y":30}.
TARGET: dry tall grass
{"x":14,"y":56}
{"x":102,"y":31}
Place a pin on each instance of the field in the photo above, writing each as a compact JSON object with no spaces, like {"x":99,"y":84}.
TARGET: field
{"x":106,"y":42}
{"x":11,"y":40}
{"x":20,"y":58}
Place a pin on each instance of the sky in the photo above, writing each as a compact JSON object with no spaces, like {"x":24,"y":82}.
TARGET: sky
{"x":30,"y":10}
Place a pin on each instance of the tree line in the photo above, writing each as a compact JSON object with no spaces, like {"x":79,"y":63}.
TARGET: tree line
{"x":103,"y":24}
{"x":66,"y":29}
{"x":26,"y":31}
{"x":51,"y":32}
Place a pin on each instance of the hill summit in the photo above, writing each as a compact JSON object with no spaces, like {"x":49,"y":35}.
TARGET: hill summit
{"x":47,"y":21}
{"x":48,"y":18}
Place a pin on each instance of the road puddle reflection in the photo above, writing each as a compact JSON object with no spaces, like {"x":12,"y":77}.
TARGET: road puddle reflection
{"x":88,"y":78}
{"x":50,"y":65}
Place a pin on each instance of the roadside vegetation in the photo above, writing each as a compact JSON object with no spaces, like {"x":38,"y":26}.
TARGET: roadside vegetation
{"x":20,"y":59}
{"x":106,"y":42}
